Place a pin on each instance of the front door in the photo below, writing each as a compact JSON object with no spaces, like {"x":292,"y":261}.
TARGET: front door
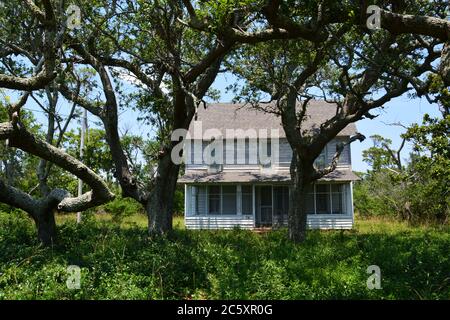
{"x":264,"y":206}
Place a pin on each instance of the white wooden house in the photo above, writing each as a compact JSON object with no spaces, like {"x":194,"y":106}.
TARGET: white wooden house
{"x":248,"y":194}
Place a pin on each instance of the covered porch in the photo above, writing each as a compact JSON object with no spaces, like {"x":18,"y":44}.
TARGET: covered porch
{"x":259,"y":205}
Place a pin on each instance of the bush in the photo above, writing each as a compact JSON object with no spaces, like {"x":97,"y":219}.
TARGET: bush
{"x":417,"y":191}
{"x":421,"y":199}
{"x":120,"y":208}
{"x":124,"y":263}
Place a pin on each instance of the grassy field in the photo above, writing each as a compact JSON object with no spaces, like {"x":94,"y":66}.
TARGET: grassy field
{"x":119,"y":261}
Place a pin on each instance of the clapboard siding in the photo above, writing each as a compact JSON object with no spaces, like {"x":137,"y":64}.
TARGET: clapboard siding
{"x":326,"y":222}
{"x":344,"y":158}
{"x":330,"y":222}
{"x":313,"y":222}
{"x":285,"y":153}
{"x":216,"y":222}
{"x":231,"y":150}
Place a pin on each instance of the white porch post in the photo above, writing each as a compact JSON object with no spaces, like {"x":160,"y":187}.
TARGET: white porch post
{"x":239,"y":200}
{"x":273,"y":203}
{"x":186,"y":202}
{"x":192,"y":192}
{"x":254,"y":205}
{"x":350,"y":205}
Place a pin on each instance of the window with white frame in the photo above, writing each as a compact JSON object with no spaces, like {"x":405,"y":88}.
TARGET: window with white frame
{"x":325,"y":199}
{"x":267,"y":145}
{"x":222,"y":200}
{"x":196,"y":196}
{"x":337,"y":198}
{"x":199,"y":199}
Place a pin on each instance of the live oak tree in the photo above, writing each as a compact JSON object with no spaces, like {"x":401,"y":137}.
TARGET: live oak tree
{"x":170,"y":62}
{"x":172,"y":66}
{"x":171,"y":69}
{"x":161,"y":57}
{"x":341,"y":62}
{"x":31,"y":45}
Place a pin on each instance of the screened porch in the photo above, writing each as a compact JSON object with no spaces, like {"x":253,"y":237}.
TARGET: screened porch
{"x":261,"y":205}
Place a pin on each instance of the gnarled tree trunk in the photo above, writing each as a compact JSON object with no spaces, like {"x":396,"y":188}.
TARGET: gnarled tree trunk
{"x":160,"y":204}
{"x":46,"y":226}
{"x":297,"y":205}
{"x":297,"y":214}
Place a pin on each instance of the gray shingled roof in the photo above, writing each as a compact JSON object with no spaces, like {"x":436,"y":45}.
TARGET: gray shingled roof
{"x":224,"y":116}
{"x":249,"y":177}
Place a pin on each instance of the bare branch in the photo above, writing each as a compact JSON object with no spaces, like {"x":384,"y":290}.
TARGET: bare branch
{"x":319,"y":173}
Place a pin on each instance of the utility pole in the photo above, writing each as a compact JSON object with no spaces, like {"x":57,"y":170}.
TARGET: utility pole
{"x":82,"y":143}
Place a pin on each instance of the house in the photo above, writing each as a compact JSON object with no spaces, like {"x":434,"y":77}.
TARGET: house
{"x":237,"y":189}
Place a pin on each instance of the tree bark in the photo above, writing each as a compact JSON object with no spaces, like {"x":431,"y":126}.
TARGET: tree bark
{"x":297,"y":208}
{"x":42,"y":210}
{"x":444,"y":67}
{"x":160,"y":204}
{"x":297,"y":214}
{"x":46,"y":227}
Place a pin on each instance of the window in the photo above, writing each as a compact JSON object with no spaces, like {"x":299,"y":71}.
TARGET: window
{"x":213,"y":152}
{"x":265,"y":153}
{"x":310,"y":205}
{"x":325,"y":199}
{"x":322,"y":199}
{"x":199,"y":199}
{"x":281,"y":199}
{"x":195,"y":193}
{"x":336,"y":198}
{"x":229,"y":203}
{"x":222,"y":200}
{"x":247,"y":200}
{"x":214,"y":200}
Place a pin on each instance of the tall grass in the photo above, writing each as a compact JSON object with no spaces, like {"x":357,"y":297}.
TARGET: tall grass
{"x":119,"y":261}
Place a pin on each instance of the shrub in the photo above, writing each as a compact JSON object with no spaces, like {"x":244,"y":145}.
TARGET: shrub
{"x":124,"y":263}
{"x":120,"y":208}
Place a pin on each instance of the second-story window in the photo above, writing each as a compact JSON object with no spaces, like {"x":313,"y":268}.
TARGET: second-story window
{"x":265,"y":153}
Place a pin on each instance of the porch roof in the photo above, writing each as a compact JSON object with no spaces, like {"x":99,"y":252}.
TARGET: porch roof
{"x":198,"y":176}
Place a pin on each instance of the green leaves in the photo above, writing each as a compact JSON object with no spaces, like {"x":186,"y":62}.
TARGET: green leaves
{"x":121,"y":262}
{"x":431,"y":142}
{"x":420,"y":191}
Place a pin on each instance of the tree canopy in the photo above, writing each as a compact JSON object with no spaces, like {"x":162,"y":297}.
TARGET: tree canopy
{"x":161,"y":58}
